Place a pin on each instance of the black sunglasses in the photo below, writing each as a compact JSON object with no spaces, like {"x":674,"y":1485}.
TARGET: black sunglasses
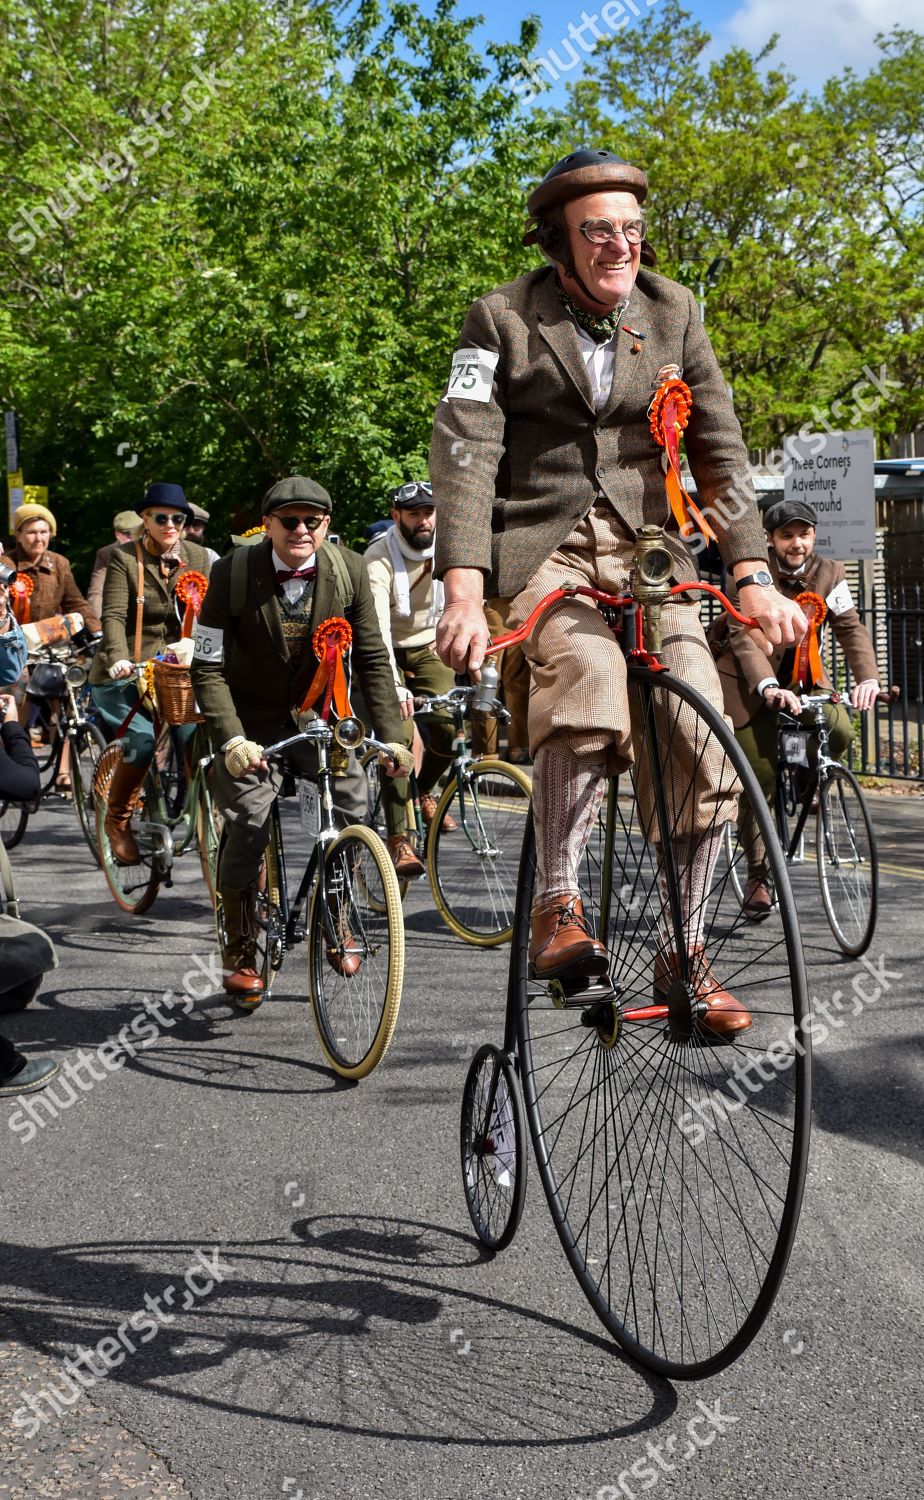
{"x":310,"y":523}
{"x":161,"y":517}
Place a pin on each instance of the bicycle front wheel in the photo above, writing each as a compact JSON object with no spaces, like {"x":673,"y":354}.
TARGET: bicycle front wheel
{"x":355,"y":952}
{"x":208,"y":836}
{"x":672,"y":1155}
{"x":87,"y":746}
{"x":848,"y":863}
{"x":473,"y":867}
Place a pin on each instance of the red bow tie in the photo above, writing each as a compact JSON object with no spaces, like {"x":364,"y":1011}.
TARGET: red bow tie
{"x":283,"y":576}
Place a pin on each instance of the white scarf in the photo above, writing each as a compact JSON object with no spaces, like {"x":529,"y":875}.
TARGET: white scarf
{"x":401,"y":554}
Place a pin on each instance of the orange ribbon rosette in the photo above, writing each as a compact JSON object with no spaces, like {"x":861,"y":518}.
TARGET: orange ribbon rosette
{"x":191,"y":589}
{"x":808,"y":672}
{"x":21,"y":591}
{"x":331,"y":642}
{"x":668,"y":416}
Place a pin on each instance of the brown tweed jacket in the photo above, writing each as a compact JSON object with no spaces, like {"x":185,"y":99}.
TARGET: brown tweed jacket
{"x":514,"y":473}
{"x":162,"y":619}
{"x":742,"y":664}
{"x":56,"y":591}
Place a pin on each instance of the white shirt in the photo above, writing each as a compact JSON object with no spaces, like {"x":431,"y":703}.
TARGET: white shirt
{"x":293,"y":587}
{"x":599,"y":360}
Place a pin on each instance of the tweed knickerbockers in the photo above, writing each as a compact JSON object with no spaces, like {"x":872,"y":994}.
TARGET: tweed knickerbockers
{"x":579,"y":697}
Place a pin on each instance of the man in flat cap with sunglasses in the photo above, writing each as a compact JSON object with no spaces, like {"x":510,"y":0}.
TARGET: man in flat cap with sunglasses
{"x":543,"y":469}
{"x":254,"y":662}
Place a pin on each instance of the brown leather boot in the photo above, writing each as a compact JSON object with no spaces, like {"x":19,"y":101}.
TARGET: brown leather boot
{"x":405,"y":861}
{"x":428,"y":807}
{"x":562,"y":945}
{"x":726,"y":1015}
{"x":345,"y":959}
{"x":123,"y":798}
{"x":239,"y":949}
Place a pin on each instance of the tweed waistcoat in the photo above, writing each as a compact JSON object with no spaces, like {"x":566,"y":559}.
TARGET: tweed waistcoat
{"x":296,"y":625}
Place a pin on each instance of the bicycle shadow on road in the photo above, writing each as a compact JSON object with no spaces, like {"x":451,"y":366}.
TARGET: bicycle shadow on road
{"x":342,"y":1330}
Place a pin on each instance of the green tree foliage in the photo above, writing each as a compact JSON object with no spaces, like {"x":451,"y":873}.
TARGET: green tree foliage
{"x":811,"y":207}
{"x":240,"y":239}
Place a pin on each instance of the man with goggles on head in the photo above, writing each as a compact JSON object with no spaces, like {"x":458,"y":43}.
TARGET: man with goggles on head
{"x":755,"y":689}
{"x":543,"y":469}
{"x":253,"y":665}
{"x":408,"y":603}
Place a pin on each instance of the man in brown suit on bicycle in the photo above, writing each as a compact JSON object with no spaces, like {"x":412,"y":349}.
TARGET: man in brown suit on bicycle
{"x":755,"y":689}
{"x":544,"y":468}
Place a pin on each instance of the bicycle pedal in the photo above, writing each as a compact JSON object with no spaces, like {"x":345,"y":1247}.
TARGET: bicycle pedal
{"x":579,"y":993}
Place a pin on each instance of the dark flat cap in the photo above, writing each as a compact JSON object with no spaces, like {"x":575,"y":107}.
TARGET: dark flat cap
{"x":293,"y":490}
{"x":783,"y":511}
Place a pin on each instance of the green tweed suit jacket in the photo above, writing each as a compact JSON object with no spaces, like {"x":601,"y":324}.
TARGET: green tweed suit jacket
{"x":514,"y":472}
{"x":255,"y":686}
{"x":162,"y":620}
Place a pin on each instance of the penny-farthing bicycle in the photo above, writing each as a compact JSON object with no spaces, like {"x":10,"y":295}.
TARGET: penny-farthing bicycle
{"x":673,"y":1160}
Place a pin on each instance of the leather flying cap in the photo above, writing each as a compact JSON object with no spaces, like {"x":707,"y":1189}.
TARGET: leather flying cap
{"x":781,"y":512}
{"x":293,"y":490}
{"x":163,"y":496}
{"x":585,"y":172}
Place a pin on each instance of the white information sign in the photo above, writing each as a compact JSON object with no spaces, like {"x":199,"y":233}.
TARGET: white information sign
{"x":834,"y":472}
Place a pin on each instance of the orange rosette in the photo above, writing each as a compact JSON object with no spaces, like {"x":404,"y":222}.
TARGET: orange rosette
{"x":21,"y":590}
{"x":331,"y":642}
{"x":808,"y":672}
{"x":668,"y":416}
{"x":191,"y":589}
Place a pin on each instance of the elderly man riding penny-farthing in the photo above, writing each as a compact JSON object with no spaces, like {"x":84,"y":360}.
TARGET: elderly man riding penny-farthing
{"x":544,"y":468}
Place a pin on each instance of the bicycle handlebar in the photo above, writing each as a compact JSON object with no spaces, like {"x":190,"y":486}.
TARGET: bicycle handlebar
{"x":322,"y":731}
{"x":614,"y":601}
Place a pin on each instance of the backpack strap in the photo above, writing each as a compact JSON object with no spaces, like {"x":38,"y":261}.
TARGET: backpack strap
{"x":341,"y":572}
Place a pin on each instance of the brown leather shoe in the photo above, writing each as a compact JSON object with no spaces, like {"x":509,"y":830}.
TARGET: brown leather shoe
{"x":562,"y":945}
{"x":240,"y":977}
{"x":120,"y":804}
{"x":428,"y":813}
{"x":758,"y":898}
{"x":726,"y":1015}
{"x":346,"y":959}
{"x":405,"y":861}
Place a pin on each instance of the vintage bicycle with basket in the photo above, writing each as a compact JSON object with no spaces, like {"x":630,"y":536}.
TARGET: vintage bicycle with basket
{"x":472,"y":845}
{"x":674,"y":1185}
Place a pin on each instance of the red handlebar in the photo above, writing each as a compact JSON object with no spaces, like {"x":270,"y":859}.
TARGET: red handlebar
{"x":567,"y":591}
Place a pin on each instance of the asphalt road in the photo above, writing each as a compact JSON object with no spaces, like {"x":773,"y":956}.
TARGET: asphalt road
{"x":354,"y":1341}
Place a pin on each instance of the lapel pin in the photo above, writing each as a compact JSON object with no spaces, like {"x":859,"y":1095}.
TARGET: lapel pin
{"x":636,"y":335}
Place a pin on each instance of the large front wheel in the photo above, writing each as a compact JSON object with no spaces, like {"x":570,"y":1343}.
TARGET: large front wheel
{"x":672,"y":1154}
{"x":473,"y":867}
{"x":848,"y":863}
{"x":355,"y":951}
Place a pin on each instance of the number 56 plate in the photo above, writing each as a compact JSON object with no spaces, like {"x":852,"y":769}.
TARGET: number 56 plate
{"x":309,"y":807}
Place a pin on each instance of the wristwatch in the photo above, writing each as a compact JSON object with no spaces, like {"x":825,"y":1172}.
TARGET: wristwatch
{"x":762,"y":578}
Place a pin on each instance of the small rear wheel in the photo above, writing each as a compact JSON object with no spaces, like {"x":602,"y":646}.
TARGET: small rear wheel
{"x":492,"y":1140}
{"x":848,"y":863}
{"x":356,"y":952}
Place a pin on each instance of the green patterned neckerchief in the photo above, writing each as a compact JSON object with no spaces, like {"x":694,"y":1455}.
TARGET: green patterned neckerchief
{"x":599,"y":329}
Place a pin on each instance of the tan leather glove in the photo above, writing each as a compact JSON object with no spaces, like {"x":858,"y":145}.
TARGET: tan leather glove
{"x":402,"y":756}
{"x":242,"y":755}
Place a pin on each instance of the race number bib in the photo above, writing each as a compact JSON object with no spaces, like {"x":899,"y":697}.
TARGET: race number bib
{"x":472,"y":375}
{"x":208,"y":644}
{"x":839,"y":600}
{"x":795,"y":747}
{"x":309,"y":807}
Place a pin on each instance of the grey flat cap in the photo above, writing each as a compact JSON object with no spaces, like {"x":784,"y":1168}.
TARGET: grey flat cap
{"x":293,"y":490}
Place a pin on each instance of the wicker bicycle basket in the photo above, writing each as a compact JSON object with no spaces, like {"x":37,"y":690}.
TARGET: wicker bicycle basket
{"x":173,"y":689}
